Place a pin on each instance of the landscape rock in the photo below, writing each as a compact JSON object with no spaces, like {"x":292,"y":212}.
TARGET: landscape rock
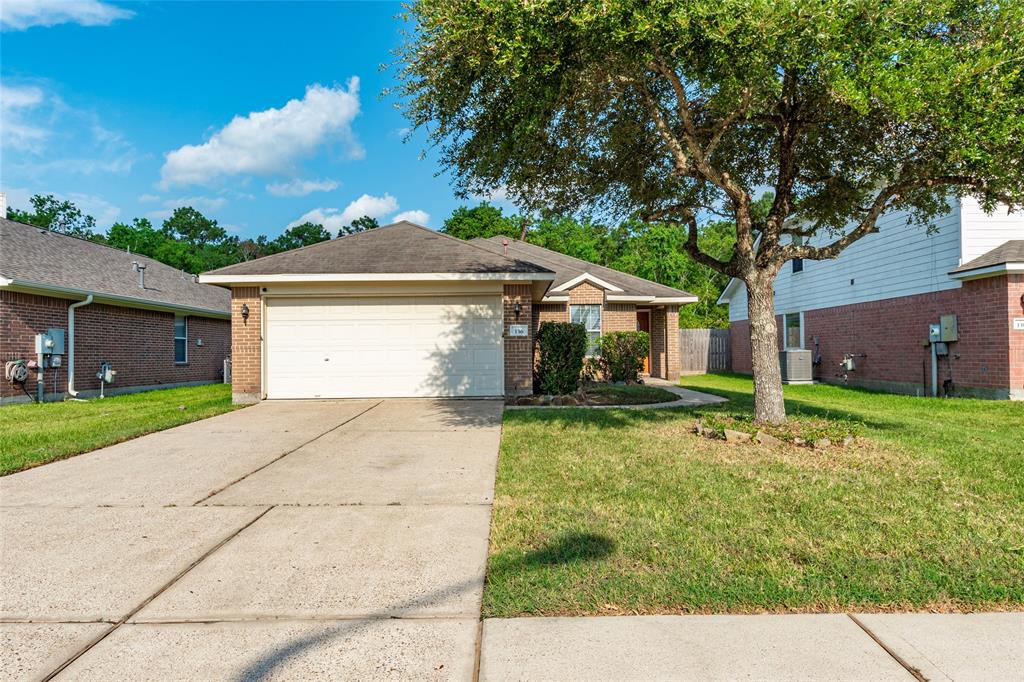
{"x":565,"y":400}
{"x":799,"y":441}
{"x":848,"y":441}
{"x":529,"y":400}
{"x":822,"y":443}
{"x":767,"y":439}
{"x":736,"y":436}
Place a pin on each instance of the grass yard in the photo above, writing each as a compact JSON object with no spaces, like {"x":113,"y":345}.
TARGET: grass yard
{"x":35,"y":434}
{"x":619,"y":511}
{"x":607,"y":394}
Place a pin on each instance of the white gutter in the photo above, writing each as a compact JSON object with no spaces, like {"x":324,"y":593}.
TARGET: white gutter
{"x":71,"y":343}
{"x":114,"y":299}
{"x":989,"y":271}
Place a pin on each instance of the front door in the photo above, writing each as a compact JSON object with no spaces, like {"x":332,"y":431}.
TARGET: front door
{"x":643,"y":324}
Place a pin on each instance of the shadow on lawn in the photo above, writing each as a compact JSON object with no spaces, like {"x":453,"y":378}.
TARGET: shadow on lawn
{"x":570,"y":548}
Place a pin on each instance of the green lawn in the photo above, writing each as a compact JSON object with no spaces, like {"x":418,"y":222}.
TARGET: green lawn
{"x":638,"y":394}
{"x":35,"y":434}
{"x":617,"y":511}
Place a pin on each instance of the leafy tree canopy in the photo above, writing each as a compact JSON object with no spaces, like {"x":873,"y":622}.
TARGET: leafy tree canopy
{"x":57,"y":215}
{"x":359,"y":225}
{"x":662,"y":109}
{"x":301,"y":235}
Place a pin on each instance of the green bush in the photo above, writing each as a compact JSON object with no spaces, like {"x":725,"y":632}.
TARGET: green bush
{"x":622,"y":355}
{"x":562,"y":348}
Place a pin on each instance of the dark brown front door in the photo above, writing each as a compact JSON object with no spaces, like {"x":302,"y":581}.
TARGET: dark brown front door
{"x":643,"y":324}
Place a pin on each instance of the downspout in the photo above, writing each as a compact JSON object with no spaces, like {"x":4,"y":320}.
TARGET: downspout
{"x":71,"y":343}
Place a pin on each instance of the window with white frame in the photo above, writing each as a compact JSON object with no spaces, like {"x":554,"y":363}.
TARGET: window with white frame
{"x":793,"y":330}
{"x":180,"y":339}
{"x":590,"y":317}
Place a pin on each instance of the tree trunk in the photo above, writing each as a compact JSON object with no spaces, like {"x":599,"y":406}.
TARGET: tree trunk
{"x":769,"y":407}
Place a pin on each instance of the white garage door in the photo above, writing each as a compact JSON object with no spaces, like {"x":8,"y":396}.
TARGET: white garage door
{"x":384,"y":347}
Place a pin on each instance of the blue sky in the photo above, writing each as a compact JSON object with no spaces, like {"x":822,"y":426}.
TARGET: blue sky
{"x":259,"y":114}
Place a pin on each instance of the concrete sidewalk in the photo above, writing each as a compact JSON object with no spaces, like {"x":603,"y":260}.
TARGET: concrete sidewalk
{"x":985,"y":647}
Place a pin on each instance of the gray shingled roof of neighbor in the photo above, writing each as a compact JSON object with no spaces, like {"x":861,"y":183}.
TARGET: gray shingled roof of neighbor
{"x":402,"y":247}
{"x":35,"y":258}
{"x":568,"y":268}
{"x":1007,"y":252}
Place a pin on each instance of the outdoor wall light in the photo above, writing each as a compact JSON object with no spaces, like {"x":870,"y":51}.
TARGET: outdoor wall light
{"x":517,"y":308}
{"x":245,"y":312}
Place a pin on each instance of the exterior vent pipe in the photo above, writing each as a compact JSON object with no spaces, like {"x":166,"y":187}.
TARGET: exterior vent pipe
{"x":71,"y":343}
{"x":141,"y":269}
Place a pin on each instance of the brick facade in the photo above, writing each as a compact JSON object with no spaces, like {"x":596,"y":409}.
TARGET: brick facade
{"x":518,"y":350}
{"x":987,"y":361}
{"x":246,"y":345}
{"x":138,"y":343}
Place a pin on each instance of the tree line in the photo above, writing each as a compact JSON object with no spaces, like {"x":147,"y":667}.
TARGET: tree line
{"x":190,"y":241}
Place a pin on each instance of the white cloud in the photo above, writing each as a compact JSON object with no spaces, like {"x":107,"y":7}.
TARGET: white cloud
{"x":417,"y":216}
{"x":148,"y":198}
{"x":17,"y":131}
{"x":270,"y":141}
{"x":375,"y":207}
{"x":99,"y":208}
{"x":38,"y":123}
{"x":330,"y":218}
{"x":19,"y":15}
{"x":499,"y":193}
{"x":300,"y":187}
{"x":334,"y":219}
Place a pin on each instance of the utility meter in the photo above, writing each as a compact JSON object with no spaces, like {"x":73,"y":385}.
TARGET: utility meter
{"x":934,"y":333}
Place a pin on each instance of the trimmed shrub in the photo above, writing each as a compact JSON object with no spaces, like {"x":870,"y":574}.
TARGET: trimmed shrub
{"x":622,"y":355}
{"x":562,"y":348}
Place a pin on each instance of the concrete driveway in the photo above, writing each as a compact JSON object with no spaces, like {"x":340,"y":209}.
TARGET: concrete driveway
{"x":342,"y":539}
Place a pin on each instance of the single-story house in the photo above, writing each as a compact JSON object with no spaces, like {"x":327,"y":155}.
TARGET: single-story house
{"x":404,"y":311}
{"x":156,"y":326}
{"x":877,"y":304}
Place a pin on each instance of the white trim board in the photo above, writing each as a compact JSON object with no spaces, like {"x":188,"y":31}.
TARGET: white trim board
{"x":379,"y":277}
{"x":586,"y":277}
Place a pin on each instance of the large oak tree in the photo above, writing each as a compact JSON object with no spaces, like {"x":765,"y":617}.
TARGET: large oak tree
{"x":667,"y":109}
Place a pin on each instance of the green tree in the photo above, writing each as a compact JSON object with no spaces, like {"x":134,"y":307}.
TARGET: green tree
{"x":484,"y":220}
{"x":57,"y":215}
{"x":139,"y":236}
{"x":301,"y":235}
{"x":359,"y":225}
{"x":846,"y":109}
{"x":196,"y":243}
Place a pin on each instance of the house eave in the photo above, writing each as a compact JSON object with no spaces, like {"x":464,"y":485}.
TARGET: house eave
{"x":990,"y":271}
{"x":228,"y":280}
{"x":27,"y":287}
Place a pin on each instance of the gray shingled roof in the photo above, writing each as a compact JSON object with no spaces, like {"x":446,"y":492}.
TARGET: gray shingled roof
{"x":1008,"y":252}
{"x":399,"y":248}
{"x":30,"y":256}
{"x":568,"y":268}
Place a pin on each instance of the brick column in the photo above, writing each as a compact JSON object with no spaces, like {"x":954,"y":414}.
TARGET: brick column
{"x":518,"y":349}
{"x":246,"y":346}
{"x":658,"y":354}
{"x":672,"y":359}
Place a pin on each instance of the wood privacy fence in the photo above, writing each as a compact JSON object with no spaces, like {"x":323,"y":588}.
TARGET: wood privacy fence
{"x":703,"y":350}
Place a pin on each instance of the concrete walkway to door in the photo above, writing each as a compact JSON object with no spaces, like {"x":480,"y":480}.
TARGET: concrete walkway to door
{"x":288,"y":540}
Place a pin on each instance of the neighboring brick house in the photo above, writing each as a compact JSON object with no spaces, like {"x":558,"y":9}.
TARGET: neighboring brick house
{"x":172,"y":331}
{"x":403,"y":311}
{"x":877,"y":301}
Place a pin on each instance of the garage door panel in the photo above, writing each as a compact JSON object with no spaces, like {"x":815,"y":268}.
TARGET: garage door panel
{"x":384,"y":347}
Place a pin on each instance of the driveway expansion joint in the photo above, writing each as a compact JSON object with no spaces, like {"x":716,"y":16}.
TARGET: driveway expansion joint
{"x":285,"y":454}
{"x":145,"y":602}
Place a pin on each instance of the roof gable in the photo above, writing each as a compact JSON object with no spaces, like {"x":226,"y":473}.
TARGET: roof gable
{"x":399,"y":248}
{"x":570,"y":271}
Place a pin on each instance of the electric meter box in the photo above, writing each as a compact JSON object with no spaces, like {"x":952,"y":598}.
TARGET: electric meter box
{"x":934,"y":333}
{"x":50,"y":343}
{"x":948,"y":324}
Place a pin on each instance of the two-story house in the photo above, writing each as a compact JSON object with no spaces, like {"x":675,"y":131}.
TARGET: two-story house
{"x":876,"y":303}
